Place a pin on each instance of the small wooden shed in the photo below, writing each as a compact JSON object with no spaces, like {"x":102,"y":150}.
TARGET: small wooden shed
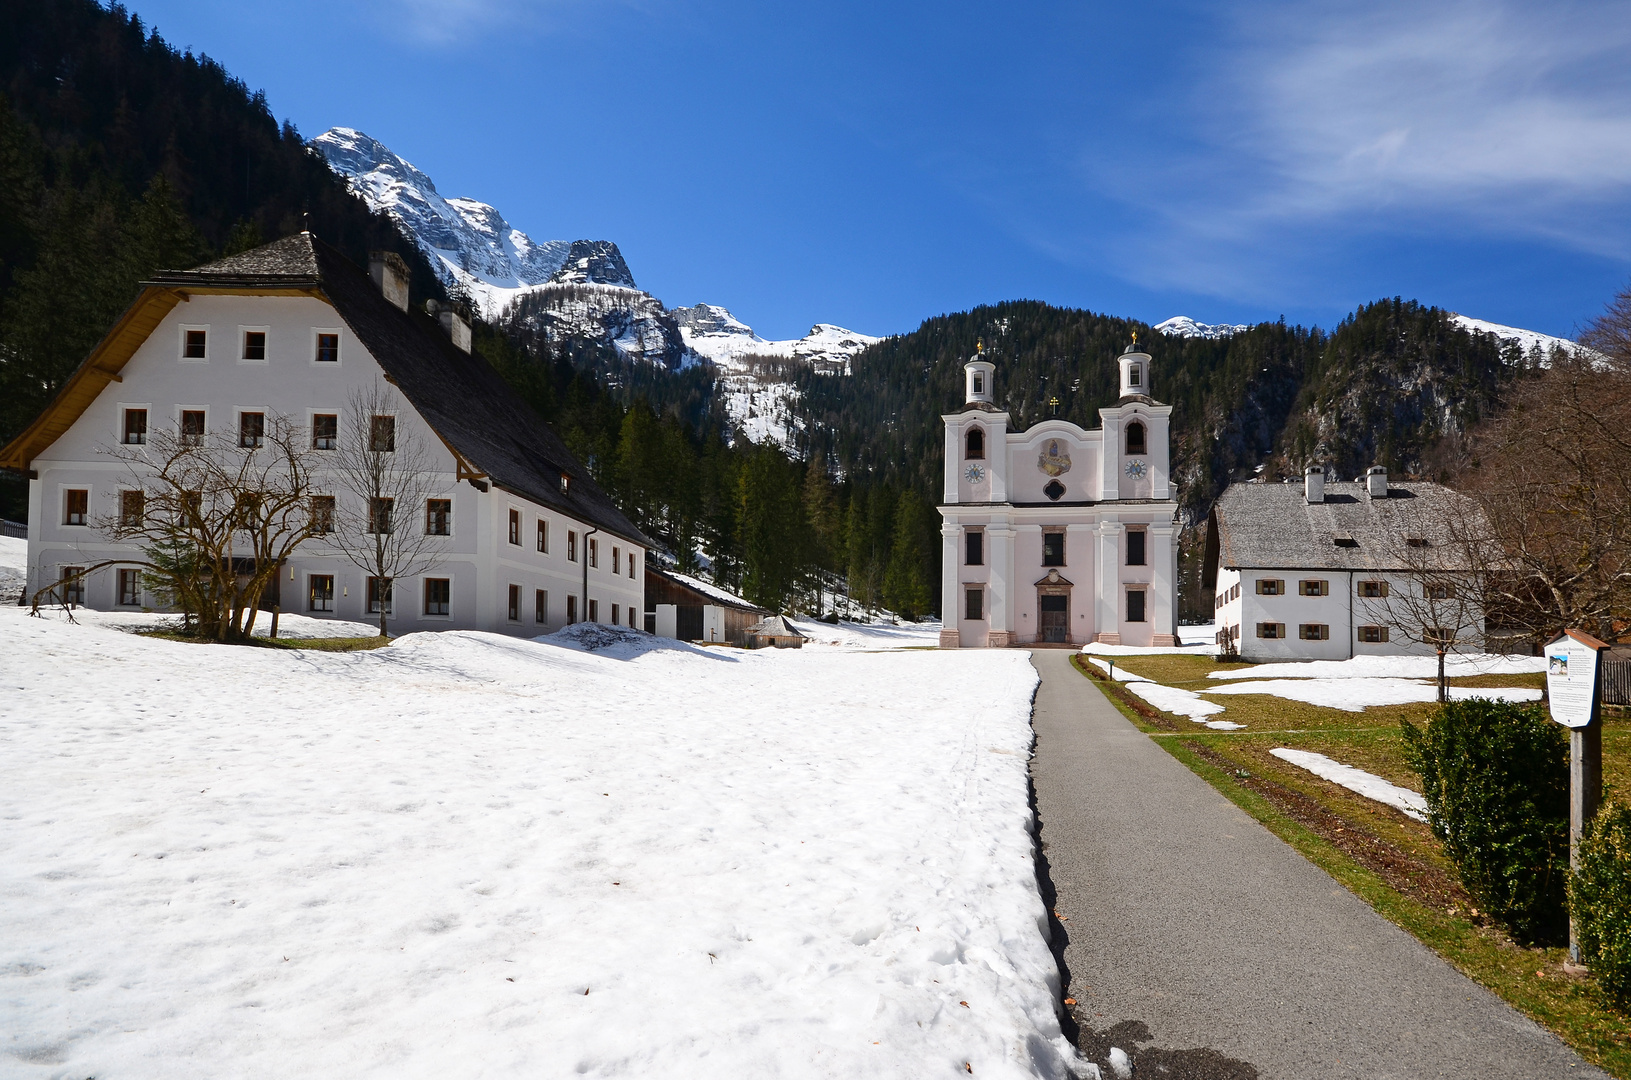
{"x":774,"y":632}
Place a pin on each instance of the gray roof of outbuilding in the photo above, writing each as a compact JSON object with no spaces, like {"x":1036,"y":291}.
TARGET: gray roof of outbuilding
{"x":774,"y":626}
{"x":459,"y":394}
{"x":1275,"y":527}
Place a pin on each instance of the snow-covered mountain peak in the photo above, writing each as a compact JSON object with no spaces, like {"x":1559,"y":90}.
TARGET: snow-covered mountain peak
{"x":713,"y":319}
{"x":594,"y":262}
{"x":1184,"y":326}
{"x":1528,"y":340}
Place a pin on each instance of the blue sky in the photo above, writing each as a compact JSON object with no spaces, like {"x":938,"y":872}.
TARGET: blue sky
{"x":872,"y":164}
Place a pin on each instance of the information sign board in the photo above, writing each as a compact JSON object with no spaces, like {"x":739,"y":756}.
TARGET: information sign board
{"x":1572,"y":671}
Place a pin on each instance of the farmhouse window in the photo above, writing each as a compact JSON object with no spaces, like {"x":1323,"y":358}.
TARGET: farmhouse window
{"x":1271,"y":630}
{"x":571,"y":610}
{"x":543,"y":536}
{"x":322,"y":514}
{"x":135,"y":427}
{"x":1438,"y":635}
{"x":328,"y":348}
{"x":379,"y":516}
{"x":321,"y":592}
{"x":975,"y":450}
{"x":1373,"y":634}
{"x":437,"y":592}
{"x":1438,"y":590}
{"x":515,"y":603}
{"x":132,"y":509}
{"x":594,"y":611}
{"x":540,"y":606}
{"x":382,"y":434}
{"x":1270,"y":587}
{"x":594,"y":559}
{"x":1373,"y":589}
{"x":631,"y":566}
{"x":1136,"y":443}
{"x":974,"y":604}
{"x":192,"y":427}
{"x":617,"y":566}
{"x":571,"y":546}
{"x":1314,"y":587}
{"x":325,"y":431}
{"x":194,"y":345}
{"x":254,"y":345}
{"x":379,"y":595}
{"x":438,"y":516}
{"x":1053,"y":549}
{"x":617,"y":619}
{"x":73,"y":586}
{"x":974,"y":548}
{"x":1135,"y":547}
{"x":251,"y":429}
{"x":1135,"y":605}
{"x":515,"y":527}
{"x":1314,"y":632}
{"x":130,"y":587}
{"x":76,"y":504}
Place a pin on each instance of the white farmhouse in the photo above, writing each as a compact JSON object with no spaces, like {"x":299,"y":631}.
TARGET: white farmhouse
{"x":1328,"y":571}
{"x":525,"y":541}
{"x":1057,"y":534}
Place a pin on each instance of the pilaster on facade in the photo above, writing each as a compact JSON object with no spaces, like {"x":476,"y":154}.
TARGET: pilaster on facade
{"x":1163,"y":582}
{"x":950,"y":587}
{"x":1000,"y":539}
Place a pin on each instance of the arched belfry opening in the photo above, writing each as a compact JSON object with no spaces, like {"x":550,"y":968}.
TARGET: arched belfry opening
{"x":1137,"y":443}
{"x":974,"y":448}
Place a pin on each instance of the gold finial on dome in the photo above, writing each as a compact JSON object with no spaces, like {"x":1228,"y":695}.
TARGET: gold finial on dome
{"x":1135,"y":337}
{"x":979,"y":345}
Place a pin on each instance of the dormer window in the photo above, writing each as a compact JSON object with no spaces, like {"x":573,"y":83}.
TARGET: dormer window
{"x":1135,"y":431}
{"x":976,"y":442}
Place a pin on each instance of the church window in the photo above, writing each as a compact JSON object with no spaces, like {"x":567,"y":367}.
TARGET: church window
{"x":1053,"y":549}
{"x":543,"y":536}
{"x":979,"y":383}
{"x":76,"y":506}
{"x":974,"y":548}
{"x":515,"y":603}
{"x":320,"y":592}
{"x":976,"y":445}
{"x":438,"y":516}
{"x":437,"y":592}
{"x":1055,"y":490}
{"x":1314,"y":632}
{"x":1135,"y":547}
{"x":1271,"y":629}
{"x":1135,"y":376}
{"x":1136,"y":443}
{"x":974,"y":604}
{"x":515,"y":527}
{"x":540,"y":606}
{"x":1135,"y":605}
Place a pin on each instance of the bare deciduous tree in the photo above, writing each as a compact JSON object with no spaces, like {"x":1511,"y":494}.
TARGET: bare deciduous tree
{"x":388,"y":471}
{"x":214,"y":517}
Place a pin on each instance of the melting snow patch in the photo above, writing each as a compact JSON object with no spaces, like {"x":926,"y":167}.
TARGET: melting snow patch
{"x":1371,"y":786}
{"x":1355,"y":695}
{"x":1174,"y":700}
{"x":1109,"y":669}
{"x":1390,"y":667}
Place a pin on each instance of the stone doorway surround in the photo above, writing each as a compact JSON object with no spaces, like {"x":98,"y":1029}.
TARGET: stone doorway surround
{"x":1053,"y":584}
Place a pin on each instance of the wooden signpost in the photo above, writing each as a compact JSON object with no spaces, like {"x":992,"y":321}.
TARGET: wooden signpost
{"x":1574,"y":691}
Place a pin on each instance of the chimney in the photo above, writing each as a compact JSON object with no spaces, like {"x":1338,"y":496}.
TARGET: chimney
{"x":1314,"y":483}
{"x":390,"y":274}
{"x":455,"y":323}
{"x":1376,"y":481}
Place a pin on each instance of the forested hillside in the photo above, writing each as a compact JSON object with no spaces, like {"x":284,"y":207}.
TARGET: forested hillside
{"x":120,"y":156}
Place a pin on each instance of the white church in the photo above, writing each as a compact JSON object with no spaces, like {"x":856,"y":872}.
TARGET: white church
{"x":1058,"y":535}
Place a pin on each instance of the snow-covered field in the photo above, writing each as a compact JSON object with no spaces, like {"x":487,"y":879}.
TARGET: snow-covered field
{"x":13,"y":568}
{"x":470,"y":855}
{"x":850,"y":635}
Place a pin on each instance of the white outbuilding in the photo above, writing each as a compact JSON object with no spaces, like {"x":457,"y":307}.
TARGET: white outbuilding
{"x":1057,"y":534}
{"x":1326,"y":571}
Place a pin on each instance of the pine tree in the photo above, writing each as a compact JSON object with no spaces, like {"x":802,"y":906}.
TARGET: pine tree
{"x":906,"y":586}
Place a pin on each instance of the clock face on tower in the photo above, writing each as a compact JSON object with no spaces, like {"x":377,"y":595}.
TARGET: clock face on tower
{"x":974,"y":473}
{"x":1136,"y":469}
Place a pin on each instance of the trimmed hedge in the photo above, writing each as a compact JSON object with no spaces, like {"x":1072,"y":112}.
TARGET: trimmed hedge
{"x":1600,"y":897}
{"x":1496,"y":779}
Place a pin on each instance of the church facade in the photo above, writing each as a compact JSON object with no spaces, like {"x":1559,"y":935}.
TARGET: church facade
{"x":1059,"y":535}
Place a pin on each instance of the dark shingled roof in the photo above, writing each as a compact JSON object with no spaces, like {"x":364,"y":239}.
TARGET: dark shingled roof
{"x":1275,"y":527}
{"x":459,"y":394}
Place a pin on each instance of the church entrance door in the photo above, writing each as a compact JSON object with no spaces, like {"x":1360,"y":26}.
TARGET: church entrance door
{"x":1055,"y":618}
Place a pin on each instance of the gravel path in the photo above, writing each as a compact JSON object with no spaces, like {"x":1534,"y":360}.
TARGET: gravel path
{"x":1201,"y":946}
